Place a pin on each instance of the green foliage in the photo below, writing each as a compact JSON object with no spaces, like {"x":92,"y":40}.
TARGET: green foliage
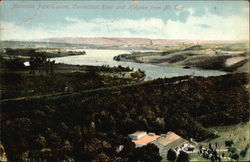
{"x":83,"y":126}
{"x":183,"y":157}
{"x":147,"y":153}
{"x":138,"y":74}
{"x":14,"y":64}
{"x":23,"y":52}
{"x":235,"y":156}
{"x":171,"y":156}
{"x":229,"y":143}
{"x":232,"y":149}
{"x":27,"y":85}
{"x":40,"y":141}
{"x":244,"y":151}
{"x":107,"y":68}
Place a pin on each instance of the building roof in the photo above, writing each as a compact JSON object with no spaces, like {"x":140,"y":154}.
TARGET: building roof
{"x":168,"y":138}
{"x":171,"y":140}
{"x":145,"y":139}
{"x":137,"y":133}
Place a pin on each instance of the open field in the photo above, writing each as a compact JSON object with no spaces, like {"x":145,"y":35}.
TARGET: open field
{"x":239,"y":133}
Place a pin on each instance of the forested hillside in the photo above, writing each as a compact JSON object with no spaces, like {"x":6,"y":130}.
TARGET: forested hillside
{"x":91,"y":126}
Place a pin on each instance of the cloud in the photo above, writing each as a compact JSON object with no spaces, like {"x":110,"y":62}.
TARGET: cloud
{"x":12,"y":31}
{"x":191,"y":10}
{"x":245,"y":10}
{"x":220,"y":28}
{"x":204,"y":26}
{"x":213,"y":27}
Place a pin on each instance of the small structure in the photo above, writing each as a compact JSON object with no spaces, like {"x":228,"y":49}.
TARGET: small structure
{"x":141,"y":138}
{"x":137,"y":135}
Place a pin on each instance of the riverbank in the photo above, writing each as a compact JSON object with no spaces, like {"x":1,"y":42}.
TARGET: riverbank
{"x":98,"y":57}
{"x":25,"y":54}
{"x":62,"y":78}
{"x":212,"y":57}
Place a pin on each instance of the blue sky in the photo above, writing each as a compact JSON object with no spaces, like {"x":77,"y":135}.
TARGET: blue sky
{"x":216,"y":20}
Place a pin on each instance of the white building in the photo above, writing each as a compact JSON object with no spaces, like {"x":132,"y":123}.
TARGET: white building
{"x":137,"y":135}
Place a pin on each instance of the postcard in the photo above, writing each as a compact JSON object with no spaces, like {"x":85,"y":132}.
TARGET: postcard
{"x":124,"y":81}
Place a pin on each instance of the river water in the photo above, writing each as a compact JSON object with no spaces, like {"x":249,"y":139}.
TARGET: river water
{"x":105,"y":57}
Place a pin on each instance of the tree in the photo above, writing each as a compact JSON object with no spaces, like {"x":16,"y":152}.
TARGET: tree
{"x":171,"y":155}
{"x":210,"y":146}
{"x":40,"y":142}
{"x":147,"y":153}
{"x":244,"y":151}
{"x":183,"y":157}
{"x":216,"y":144}
{"x":219,"y":159}
{"x":102,"y":157}
{"x":200,"y":148}
{"x":128,"y":149}
{"x":15,"y":63}
{"x":212,"y":158}
{"x":229,"y":143}
{"x":235,"y":156}
{"x":232,"y":149}
{"x":215,"y":154}
{"x":40,"y":63}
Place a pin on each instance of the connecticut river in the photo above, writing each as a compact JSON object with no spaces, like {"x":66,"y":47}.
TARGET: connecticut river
{"x":98,"y":57}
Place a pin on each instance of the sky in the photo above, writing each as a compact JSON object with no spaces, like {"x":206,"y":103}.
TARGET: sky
{"x":202,"y":20}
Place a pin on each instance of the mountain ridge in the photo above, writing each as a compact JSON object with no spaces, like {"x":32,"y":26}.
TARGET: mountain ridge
{"x":120,"y":41}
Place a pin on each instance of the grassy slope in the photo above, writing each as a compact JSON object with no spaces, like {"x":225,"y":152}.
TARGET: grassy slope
{"x":205,"y":56}
{"x":239,"y":133}
{"x":235,"y":132}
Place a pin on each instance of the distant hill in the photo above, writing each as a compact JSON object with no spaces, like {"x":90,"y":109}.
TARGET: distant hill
{"x":105,"y":42}
{"x":68,"y":44}
{"x":108,"y":41}
{"x":48,"y":44}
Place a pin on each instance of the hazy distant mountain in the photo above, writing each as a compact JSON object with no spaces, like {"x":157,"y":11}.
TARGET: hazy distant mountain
{"x":113,"y":41}
{"x":106,"y":41}
{"x":103,"y":43}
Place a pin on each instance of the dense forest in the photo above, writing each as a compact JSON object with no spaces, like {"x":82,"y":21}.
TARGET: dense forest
{"x":29,"y":85}
{"x":91,"y":126}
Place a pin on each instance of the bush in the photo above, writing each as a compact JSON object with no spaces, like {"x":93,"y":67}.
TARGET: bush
{"x":15,"y":64}
{"x":229,"y":143}
{"x":235,"y":156}
{"x":183,"y":157}
{"x":171,"y":155}
{"x":146,"y":153}
{"x":232,"y":149}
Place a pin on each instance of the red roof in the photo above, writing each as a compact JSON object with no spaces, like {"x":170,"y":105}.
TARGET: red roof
{"x":145,"y":139}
